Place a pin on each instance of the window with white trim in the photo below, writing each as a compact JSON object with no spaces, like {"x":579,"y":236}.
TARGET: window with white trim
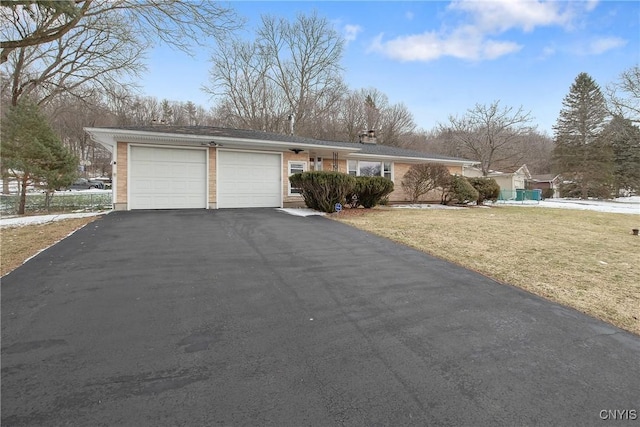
{"x":296,"y":167}
{"x":368,"y":168}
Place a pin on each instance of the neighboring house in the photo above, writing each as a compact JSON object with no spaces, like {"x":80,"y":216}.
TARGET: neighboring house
{"x":176,"y":167}
{"x":509,"y":181}
{"x":545,"y":182}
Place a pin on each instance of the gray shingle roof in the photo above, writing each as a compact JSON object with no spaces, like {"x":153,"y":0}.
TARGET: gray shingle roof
{"x":212,"y":131}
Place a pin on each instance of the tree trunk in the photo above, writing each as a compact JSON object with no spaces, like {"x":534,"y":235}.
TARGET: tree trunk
{"x":23,"y":194}
{"x":5,"y":181}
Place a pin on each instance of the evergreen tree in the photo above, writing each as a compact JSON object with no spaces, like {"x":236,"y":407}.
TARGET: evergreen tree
{"x":580,"y":154}
{"x":32,"y":150}
{"x":624,"y":138}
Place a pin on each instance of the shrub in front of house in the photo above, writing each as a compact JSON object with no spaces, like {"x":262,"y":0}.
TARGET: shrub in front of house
{"x":423,"y":178}
{"x":322,"y":190}
{"x":459,"y":191}
{"x":487,"y":188}
{"x":370,"y":191}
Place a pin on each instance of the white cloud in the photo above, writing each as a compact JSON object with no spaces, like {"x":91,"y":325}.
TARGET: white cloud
{"x":502,"y":15}
{"x":477,"y":37}
{"x":547,"y":52}
{"x":591,"y":4}
{"x":351,"y":32}
{"x":604,"y":44}
{"x":465,"y":43}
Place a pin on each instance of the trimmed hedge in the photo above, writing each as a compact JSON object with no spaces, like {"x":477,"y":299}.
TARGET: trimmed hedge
{"x":487,"y":188}
{"x":370,"y":191}
{"x":460,"y":191}
{"x":321,"y":190}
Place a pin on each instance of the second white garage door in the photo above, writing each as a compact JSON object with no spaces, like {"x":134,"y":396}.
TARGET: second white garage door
{"x":167,"y":178}
{"x":249,"y":180}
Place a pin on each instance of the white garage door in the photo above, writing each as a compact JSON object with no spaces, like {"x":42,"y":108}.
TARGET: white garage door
{"x":167,"y":178}
{"x":249,"y":179}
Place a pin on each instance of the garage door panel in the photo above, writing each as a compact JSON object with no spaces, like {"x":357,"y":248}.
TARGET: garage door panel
{"x":249,"y":179}
{"x":167,"y":178}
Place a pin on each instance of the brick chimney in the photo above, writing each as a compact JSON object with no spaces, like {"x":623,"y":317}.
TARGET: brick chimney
{"x":368,"y":137}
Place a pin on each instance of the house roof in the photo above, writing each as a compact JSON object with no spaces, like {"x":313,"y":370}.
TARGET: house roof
{"x":518,"y":170}
{"x":230,"y":137}
{"x":544,"y":177}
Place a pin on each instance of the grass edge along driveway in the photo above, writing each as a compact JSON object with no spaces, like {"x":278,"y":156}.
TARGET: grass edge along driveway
{"x":582,"y":259}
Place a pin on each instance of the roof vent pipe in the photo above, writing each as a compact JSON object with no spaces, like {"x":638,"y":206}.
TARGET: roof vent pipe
{"x":292,"y":120}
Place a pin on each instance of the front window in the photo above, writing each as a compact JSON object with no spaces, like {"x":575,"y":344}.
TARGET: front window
{"x":352,"y":166}
{"x":386,"y":170}
{"x":296,"y":167}
{"x":368,"y":168}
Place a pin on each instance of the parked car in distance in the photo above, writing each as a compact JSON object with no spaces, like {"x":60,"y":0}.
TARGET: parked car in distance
{"x":104,"y":180}
{"x":86,"y":184}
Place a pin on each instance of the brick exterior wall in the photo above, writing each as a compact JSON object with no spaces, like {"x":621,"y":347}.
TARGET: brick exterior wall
{"x":122,"y":177}
{"x":400,"y":196}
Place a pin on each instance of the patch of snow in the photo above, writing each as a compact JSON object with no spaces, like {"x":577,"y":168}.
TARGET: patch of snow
{"x":626,"y":205}
{"x":630,"y":199}
{"x":21,"y":221}
{"x":300,"y":211}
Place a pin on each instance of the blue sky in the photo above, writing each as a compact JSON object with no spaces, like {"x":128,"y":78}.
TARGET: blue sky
{"x":442,"y":58}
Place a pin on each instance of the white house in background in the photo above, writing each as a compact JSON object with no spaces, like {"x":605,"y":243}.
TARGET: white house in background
{"x":509,"y":181}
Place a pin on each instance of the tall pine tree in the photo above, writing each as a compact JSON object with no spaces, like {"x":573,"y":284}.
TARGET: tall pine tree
{"x":580,"y":154}
{"x":33,"y":151}
{"x":624,"y":138}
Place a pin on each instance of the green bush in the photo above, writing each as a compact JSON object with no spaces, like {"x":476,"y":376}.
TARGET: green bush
{"x":487,"y":188}
{"x":459,"y":191}
{"x":370,"y":191}
{"x":321,"y":190}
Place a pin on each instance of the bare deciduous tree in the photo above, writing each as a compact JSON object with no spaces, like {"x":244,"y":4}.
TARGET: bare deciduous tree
{"x":369,"y":109}
{"x":100,"y":52}
{"x":247,"y":97}
{"x":37,"y":22}
{"x":490,"y":134}
{"x":290,"y":69}
{"x":423,"y":178}
{"x":624,"y":95}
{"x":174,"y":22}
{"x":396,"y":123}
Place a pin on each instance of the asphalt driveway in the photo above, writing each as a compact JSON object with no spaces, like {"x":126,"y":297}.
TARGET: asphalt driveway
{"x":256,"y":317}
